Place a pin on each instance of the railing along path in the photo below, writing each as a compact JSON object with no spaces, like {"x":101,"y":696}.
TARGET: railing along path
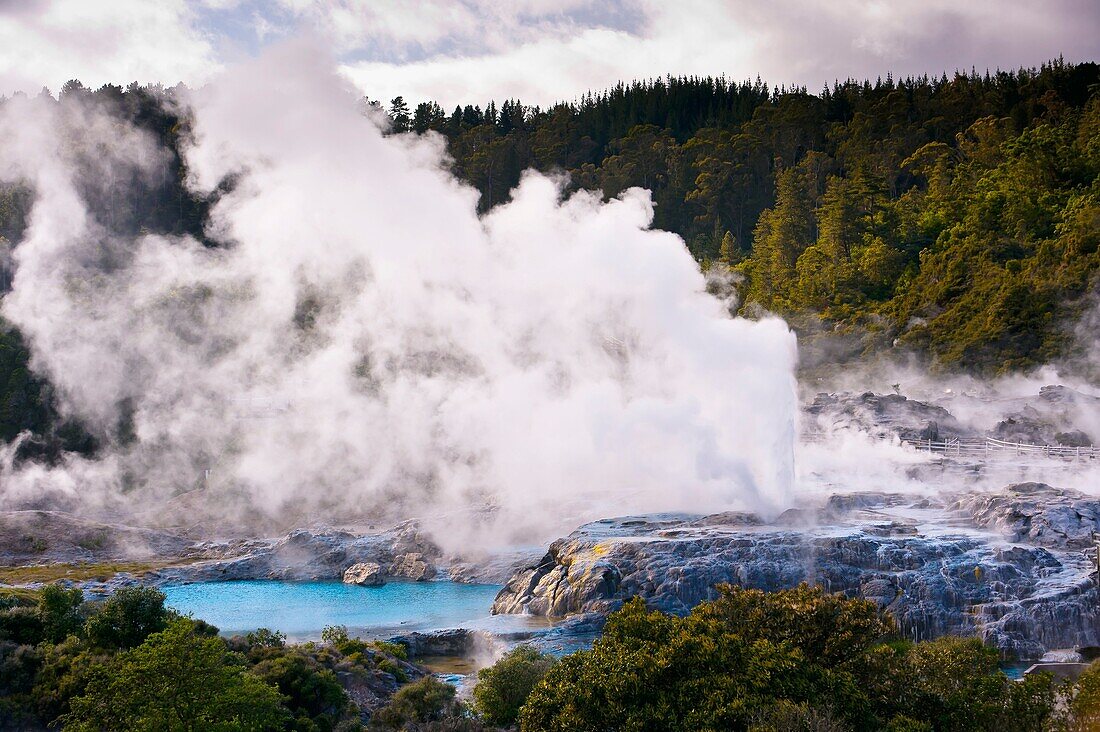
{"x":989,"y":447}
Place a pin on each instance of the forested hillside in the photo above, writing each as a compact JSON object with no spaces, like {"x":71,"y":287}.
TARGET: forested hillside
{"x":27,"y":403}
{"x":954,"y":217}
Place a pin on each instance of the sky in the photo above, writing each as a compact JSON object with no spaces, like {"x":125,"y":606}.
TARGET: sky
{"x":539,"y":51}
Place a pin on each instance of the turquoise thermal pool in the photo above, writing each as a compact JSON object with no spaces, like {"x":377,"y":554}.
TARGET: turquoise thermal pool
{"x":303,"y":609}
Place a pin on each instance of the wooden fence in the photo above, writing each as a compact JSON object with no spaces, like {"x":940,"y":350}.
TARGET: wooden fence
{"x":991,"y":448}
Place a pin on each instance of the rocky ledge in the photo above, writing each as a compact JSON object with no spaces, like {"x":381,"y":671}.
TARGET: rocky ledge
{"x":38,"y":547}
{"x":1055,"y":416}
{"x":1010,"y":566}
{"x":319,"y":554}
{"x":403,"y":552}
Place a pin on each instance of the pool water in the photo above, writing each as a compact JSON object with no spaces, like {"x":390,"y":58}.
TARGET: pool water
{"x":303,"y":609}
{"x":1015,"y":671}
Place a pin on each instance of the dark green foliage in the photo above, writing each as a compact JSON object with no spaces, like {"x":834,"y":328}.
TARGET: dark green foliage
{"x":907,"y":724}
{"x":1085,"y":706}
{"x":67,"y":668}
{"x":427,"y":704}
{"x":503,"y":688}
{"x":176,"y":680}
{"x":785,"y":716}
{"x":21,"y":624}
{"x":312,"y":692}
{"x":55,"y":615}
{"x":310,"y":675}
{"x":55,"y":664}
{"x":19,"y":666}
{"x":391,"y":649}
{"x":956,"y":217}
{"x":127,"y":617}
{"x":794,"y":659}
{"x":265,"y":638}
{"x":337,"y":636}
{"x":981,"y":262}
{"x":59,"y":609}
{"x":955,"y":683}
{"x":653,"y":671}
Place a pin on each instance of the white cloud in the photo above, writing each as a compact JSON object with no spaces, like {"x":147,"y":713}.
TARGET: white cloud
{"x":784,"y":41}
{"x":51,"y":41}
{"x":400,"y":29}
{"x":467,"y":51}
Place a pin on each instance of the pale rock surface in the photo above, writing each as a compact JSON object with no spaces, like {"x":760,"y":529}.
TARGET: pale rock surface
{"x":365,"y":574}
{"x":414,"y":566}
{"x":1008,"y":566}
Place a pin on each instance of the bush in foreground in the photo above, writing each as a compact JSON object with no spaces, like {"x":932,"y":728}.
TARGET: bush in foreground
{"x":131,"y":663}
{"x":798,"y":659}
{"x":427,"y":705}
{"x":503,"y":688}
{"x":177,"y":679}
{"x":750,"y":660}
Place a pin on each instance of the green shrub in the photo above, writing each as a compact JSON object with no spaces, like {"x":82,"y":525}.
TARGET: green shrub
{"x":176,"y":679}
{"x":67,"y":668}
{"x":787,"y":717}
{"x":503,"y":688}
{"x":424,"y":701}
{"x":59,"y":609}
{"x":1084,"y":709}
{"x":388,"y":666}
{"x":22,"y":625}
{"x":19,"y":665}
{"x":127,"y":618}
{"x":266,"y":638}
{"x":907,"y":724}
{"x":391,"y":649}
{"x":311,"y":691}
{"x":337,"y":637}
{"x":793,"y":659}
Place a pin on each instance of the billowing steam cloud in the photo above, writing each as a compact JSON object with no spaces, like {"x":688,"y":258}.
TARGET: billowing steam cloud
{"x":362,"y":342}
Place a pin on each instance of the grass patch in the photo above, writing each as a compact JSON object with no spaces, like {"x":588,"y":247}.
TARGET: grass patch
{"x":392,"y":649}
{"x":79,"y":572}
{"x":93,"y":542}
{"x":20,"y":596}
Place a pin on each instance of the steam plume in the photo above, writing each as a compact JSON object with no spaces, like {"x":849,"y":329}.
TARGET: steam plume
{"x":363,"y":342}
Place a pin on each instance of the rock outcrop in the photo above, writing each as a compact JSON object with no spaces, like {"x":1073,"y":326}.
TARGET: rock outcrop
{"x":365,"y":574}
{"x":886,"y":414}
{"x":1036,"y":514}
{"x":374,"y":689}
{"x":449,"y":642}
{"x":161,"y":558}
{"x":1008,"y":567}
{"x":404,"y":551}
{"x":1055,"y":416}
{"x":39,"y":537}
{"x":414,"y":566}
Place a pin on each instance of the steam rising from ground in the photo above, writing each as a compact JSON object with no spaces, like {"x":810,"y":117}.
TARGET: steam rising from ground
{"x":364,"y":343}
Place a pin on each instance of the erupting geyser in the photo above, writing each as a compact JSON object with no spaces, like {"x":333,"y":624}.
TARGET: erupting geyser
{"x":555,"y":359}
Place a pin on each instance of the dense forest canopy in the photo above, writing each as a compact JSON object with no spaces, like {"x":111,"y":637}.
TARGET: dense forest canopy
{"x":954,"y":217}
